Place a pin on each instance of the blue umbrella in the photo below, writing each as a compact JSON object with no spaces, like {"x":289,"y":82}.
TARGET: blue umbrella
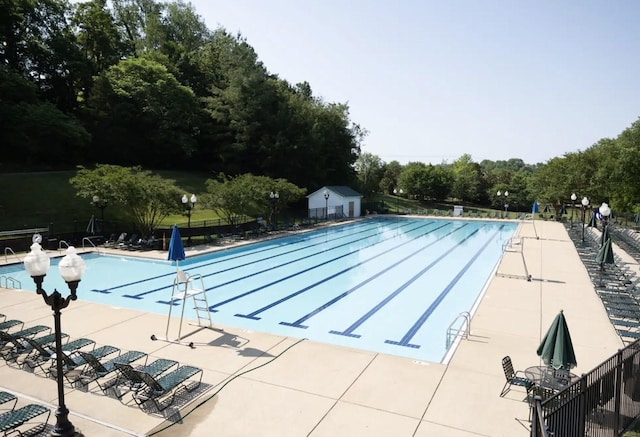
{"x":176,"y":248}
{"x":534,"y":208}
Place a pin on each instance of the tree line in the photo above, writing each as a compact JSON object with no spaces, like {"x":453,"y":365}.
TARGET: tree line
{"x":140,"y":82}
{"x":146,"y":83}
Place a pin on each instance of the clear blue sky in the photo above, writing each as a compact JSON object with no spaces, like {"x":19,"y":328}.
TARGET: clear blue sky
{"x":432,"y":80}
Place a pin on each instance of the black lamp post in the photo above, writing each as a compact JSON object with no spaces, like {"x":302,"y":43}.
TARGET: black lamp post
{"x":273,"y":198}
{"x":71,"y":269}
{"x":573,"y":206}
{"x":506,"y":205}
{"x":189,"y":204}
{"x":326,"y":204}
{"x":100,"y":204}
{"x":395,"y":192}
{"x":585,"y":205}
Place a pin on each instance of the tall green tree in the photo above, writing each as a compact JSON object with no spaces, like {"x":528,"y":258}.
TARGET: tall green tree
{"x":145,"y":115}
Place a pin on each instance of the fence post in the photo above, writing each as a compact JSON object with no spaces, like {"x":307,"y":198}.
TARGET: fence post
{"x":616,"y":416}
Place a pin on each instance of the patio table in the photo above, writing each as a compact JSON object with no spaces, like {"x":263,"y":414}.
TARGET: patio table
{"x":544,"y":377}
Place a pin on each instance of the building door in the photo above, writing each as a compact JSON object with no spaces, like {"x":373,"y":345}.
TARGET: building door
{"x":351,"y":208}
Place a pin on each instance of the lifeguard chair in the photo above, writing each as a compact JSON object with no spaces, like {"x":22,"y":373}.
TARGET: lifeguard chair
{"x":185,"y":287}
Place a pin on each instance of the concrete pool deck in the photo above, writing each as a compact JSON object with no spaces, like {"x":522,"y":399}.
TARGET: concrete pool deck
{"x":262,"y":384}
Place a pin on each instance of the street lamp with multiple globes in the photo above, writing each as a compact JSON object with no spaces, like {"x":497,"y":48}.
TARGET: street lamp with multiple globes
{"x":326,"y":204}
{"x":585,"y":205}
{"x":101,"y":204}
{"x":189,"y":204}
{"x":573,"y":206}
{"x":273,"y":198}
{"x":506,"y":205}
{"x":71,"y":268}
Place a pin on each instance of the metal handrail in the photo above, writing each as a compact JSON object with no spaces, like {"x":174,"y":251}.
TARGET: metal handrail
{"x":9,"y":280}
{"x":8,"y":249}
{"x":61,"y":242}
{"x":90,"y":242}
{"x":463,"y":332}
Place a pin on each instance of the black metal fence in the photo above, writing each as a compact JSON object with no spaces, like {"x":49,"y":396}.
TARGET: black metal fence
{"x":603,"y":403}
{"x":331,"y":213}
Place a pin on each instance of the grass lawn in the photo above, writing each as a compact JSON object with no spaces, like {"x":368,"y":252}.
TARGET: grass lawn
{"x":32,"y":200}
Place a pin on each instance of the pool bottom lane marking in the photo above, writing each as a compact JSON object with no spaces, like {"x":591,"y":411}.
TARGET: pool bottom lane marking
{"x":349,"y":331}
{"x":305,"y":289}
{"x":423,"y":318}
{"x":298,"y":323}
{"x":237,"y":266}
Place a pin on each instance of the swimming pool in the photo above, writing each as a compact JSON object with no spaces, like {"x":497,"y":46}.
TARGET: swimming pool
{"x":386,"y":284}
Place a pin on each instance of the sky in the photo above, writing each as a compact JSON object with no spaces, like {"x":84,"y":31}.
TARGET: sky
{"x":433,"y":80}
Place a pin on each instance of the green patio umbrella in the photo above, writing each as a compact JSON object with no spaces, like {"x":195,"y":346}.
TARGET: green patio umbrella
{"x":556,"y":348}
{"x":592,"y":221}
{"x":604,"y":236}
{"x":605,"y":254}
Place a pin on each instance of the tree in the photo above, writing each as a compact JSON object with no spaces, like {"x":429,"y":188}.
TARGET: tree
{"x":369,"y":169}
{"x":391,"y":173}
{"x":468,"y":183}
{"x":145,"y":115}
{"x":148,"y":198}
{"x":234,"y":197}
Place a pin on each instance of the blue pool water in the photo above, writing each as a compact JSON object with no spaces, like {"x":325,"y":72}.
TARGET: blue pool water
{"x":390,"y":285}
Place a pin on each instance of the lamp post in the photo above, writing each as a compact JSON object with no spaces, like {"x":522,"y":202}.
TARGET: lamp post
{"x":326,"y":204}
{"x":573,"y":206}
{"x":395,"y":192}
{"x":71,"y":269}
{"x":506,"y":205}
{"x":273,"y":197}
{"x":189,"y":204}
{"x":100,"y":204}
{"x":585,"y":205}
{"x":605,"y":212}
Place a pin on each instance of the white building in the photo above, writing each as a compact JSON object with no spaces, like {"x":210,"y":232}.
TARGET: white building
{"x":334,"y":202}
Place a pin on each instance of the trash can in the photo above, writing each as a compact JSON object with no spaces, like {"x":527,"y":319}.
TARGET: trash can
{"x":457,"y":210}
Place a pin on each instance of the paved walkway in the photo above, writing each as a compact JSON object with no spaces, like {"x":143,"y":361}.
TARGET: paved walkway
{"x":267,"y":385}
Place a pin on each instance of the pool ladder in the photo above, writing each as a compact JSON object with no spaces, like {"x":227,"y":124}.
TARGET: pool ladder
{"x":459,"y":332}
{"x":9,"y":282}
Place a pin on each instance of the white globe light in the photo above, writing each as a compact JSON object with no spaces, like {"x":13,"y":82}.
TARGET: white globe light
{"x":37,"y":262}
{"x":71,"y":266}
{"x":585,"y":201}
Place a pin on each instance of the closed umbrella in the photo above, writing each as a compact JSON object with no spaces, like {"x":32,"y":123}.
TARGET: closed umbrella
{"x":546,"y":209}
{"x":604,"y":236}
{"x":592,"y":221}
{"x":605,"y":254}
{"x":556,"y":348}
{"x":534,"y":207}
{"x":92,"y":226}
{"x":176,"y":248}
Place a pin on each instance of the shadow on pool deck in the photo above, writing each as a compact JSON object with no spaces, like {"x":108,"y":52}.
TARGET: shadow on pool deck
{"x":262,"y":384}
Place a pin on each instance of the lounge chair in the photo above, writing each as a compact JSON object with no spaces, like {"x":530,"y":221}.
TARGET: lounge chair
{"x":165,"y":386}
{"x":513,"y":377}
{"x":132,"y":380}
{"x":8,"y":324}
{"x":16,"y":418}
{"x":117,"y":242}
{"x":97,"y":370}
{"x":73,"y":362}
{"x":42,"y":354}
{"x":5,"y":398}
{"x":17,"y":346}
